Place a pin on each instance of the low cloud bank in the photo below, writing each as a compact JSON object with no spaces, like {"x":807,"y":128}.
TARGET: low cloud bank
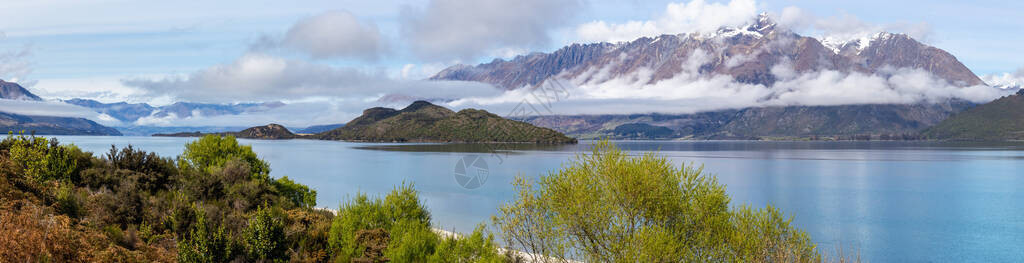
{"x":595,"y":92}
{"x":260,"y":77}
{"x":56,"y":109}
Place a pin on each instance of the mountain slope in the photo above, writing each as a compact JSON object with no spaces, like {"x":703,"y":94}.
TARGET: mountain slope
{"x":46,"y":125}
{"x":1002,"y":119}
{"x":425,"y":122}
{"x":13,"y":91}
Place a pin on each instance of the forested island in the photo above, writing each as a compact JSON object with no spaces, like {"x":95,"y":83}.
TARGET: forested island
{"x":421,"y":121}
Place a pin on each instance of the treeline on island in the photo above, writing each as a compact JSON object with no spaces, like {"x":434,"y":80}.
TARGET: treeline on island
{"x":216,"y":202}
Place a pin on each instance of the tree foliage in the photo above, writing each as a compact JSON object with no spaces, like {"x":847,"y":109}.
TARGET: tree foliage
{"x":609,"y":206}
{"x":264,"y":236}
{"x":214,"y":151}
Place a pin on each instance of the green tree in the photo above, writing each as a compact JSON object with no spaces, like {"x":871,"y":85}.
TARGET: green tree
{"x":213,"y":151}
{"x":400,"y":213}
{"x":42,"y":160}
{"x":608,"y":206}
{"x":299,"y":194}
{"x":264,"y":236}
{"x":477,"y":247}
{"x":203,"y":245}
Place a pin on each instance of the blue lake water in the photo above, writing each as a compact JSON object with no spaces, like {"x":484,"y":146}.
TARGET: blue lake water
{"x":887,"y":201}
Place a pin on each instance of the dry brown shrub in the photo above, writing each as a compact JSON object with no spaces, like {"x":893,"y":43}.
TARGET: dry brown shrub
{"x":30,"y":233}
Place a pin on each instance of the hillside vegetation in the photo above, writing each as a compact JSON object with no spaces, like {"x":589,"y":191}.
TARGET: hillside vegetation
{"x":217,"y":203}
{"x":214,"y":203}
{"x":1002,"y":119}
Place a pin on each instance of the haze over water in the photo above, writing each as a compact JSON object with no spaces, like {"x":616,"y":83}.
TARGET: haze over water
{"x":891,"y":201}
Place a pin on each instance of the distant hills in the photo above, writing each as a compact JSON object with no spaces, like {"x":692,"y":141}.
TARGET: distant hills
{"x":425,"y":122}
{"x":1002,"y":119}
{"x":44,"y":125}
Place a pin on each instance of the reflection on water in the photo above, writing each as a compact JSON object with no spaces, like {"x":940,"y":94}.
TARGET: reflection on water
{"x":891,"y":201}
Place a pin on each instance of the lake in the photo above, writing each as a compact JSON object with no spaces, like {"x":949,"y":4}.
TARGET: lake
{"x":889,"y":201}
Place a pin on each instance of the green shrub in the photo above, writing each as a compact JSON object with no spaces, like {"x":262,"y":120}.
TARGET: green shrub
{"x":411,"y":241}
{"x":611,"y":207}
{"x":300,"y":195}
{"x":214,"y":151}
{"x":156,"y":172}
{"x":29,"y":155}
{"x":69,"y":202}
{"x":402,"y":204}
{"x":477,"y":247}
{"x":264,"y":236}
{"x":202,"y":244}
{"x":42,"y":160}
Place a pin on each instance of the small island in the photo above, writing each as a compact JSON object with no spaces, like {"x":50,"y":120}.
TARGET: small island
{"x":266,"y":132}
{"x":421,"y":121}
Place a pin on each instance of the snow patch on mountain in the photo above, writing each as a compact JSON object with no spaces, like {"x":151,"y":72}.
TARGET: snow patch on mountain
{"x":838,"y":43}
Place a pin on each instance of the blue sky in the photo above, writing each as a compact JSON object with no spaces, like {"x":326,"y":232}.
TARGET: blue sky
{"x":65,"y":48}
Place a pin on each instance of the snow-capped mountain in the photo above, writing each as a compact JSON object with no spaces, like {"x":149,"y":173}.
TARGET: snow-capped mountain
{"x":759,"y":53}
{"x":746,"y":53}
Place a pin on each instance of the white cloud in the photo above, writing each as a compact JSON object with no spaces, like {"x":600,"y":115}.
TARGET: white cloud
{"x":452,"y":29}
{"x":694,"y":16}
{"x":15,"y":65}
{"x":334,"y":34}
{"x":1006,"y":80}
{"x":846,"y":27}
{"x":294,"y":114}
{"x":53,"y":108}
{"x":260,"y":77}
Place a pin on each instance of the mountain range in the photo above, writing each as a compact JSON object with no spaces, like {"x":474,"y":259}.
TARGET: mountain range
{"x":748,"y":54}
